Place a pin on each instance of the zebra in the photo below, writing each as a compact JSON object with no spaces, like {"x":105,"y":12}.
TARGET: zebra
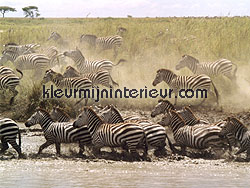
{"x":102,"y":77}
{"x":57,"y":133}
{"x":58,"y":115}
{"x":128,"y":134}
{"x":6,"y":70}
{"x":58,"y":39}
{"x":241,"y":133}
{"x":103,"y":43}
{"x":54,"y":55}
{"x":77,"y":83}
{"x":8,"y":134}
{"x":10,"y":81}
{"x":198,"y":136}
{"x":219,"y":67}
{"x":197,"y":82}
{"x":155,"y":134}
{"x":84,"y":66}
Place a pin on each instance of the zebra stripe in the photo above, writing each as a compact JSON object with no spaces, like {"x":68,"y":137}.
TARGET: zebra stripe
{"x":113,"y":135}
{"x":58,"y":39}
{"x":6,"y":70}
{"x":57,"y":133}
{"x":241,"y":133}
{"x":10,"y":81}
{"x":176,"y":82}
{"x":8,"y":134}
{"x":219,"y":67}
{"x":155,"y":133}
{"x":101,"y":77}
{"x":199,"y":136}
{"x":84,"y":66}
{"x":58,"y":115}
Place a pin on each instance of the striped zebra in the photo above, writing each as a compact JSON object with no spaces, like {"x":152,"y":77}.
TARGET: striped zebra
{"x":54,"y":56}
{"x":57,"y":133}
{"x":177,"y":83}
{"x":198,"y":136}
{"x":10,"y":81}
{"x":241,"y":133}
{"x":58,"y":39}
{"x":8,"y":134}
{"x":103,"y":43}
{"x":78,"y":83}
{"x":101,"y":77}
{"x":155,"y":134}
{"x":128,"y":134}
{"x":84,"y":66}
{"x":58,"y":115}
{"x":6,"y":70}
{"x":219,"y":67}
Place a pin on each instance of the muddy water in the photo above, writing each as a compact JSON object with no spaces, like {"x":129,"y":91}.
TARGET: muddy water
{"x":48,"y":170}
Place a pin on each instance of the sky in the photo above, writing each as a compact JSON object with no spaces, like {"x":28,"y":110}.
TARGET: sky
{"x":135,"y":8}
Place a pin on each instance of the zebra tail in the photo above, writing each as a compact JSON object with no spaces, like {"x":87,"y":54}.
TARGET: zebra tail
{"x":216,"y":93}
{"x":235,"y":70}
{"x":121,"y":60}
{"x":113,"y":82}
{"x":20,"y":73}
{"x":19,"y":138}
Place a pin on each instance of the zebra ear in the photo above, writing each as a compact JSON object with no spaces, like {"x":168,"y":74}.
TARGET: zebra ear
{"x":160,"y":100}
{"x":228,"y":119}
{"x":184,"y":55}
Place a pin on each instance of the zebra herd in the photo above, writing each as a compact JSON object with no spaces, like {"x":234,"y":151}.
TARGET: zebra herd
{"x":100,"y":127}
{"x":96,"y":128}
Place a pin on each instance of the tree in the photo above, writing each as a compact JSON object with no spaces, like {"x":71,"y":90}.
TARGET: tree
{"x":31,"y":11}
{"x":4,"y":9}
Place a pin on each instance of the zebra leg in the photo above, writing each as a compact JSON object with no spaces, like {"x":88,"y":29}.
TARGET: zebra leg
{"x":15,"y":92}
{"x":115,"y":52}
{"x":16,"y":147}
{"x":43,"y":146}
{"x":58,"y":148}
{"x":248,"y":153}
{"x":240,"y":151}
{"x":5,"y":145}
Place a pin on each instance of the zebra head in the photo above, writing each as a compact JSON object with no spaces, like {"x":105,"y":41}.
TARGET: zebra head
{"x":36,"y":117}
{"x":54,"y":36}
{"x":163,"y":75}
{"x":165,"y":120}
{"x":83,"y":118}
{"x":162,"y":107}
{"x":186,"y":61}
{"x":71,"y":72}
{"x":49,"y":75}
{"x":232,"y":125}
{"x":75,"y":55}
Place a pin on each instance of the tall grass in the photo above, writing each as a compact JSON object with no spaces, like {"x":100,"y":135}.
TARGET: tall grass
{"x":207,"y":39}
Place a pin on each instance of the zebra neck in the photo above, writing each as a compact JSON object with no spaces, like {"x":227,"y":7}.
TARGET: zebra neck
{"x":45,"y":123}
{"x":94,"y":124}
{"x":193,"y":66}
{"x":239,"y":133}
{"x":79,"y":60}
{"x":58,"y":83}
{"x":168,"y":78}
{"x":176,"y":125}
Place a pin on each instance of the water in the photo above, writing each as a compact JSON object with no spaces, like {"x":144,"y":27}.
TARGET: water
{"x":47,"y":170}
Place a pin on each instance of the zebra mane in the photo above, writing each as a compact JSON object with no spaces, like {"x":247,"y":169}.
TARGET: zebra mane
{"x":166,"y":71}
{"x":43,"y":111}
{"x":174,"y":113}
{"x":116,"y":111}
{"x":236,"y":121}
{"x":92,"y":112}
{"x":191,"y":58}
{"x":187,"y":108}
{"x":168,"y":103}
{"x":62,"y":112}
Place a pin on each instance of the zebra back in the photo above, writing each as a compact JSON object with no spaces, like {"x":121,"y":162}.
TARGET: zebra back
{"x":58,"y":115}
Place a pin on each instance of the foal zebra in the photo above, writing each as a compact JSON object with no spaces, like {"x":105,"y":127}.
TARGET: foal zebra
{"x":177,"y":83}
{"x":155,"y":133}
{"x":102,"y":77}
{"x":10,"y":81}
{"x":240,"y":131}
{"x":197,"y":136}
{"x":103,"y":43}
{"x":85,"y":66}
{"x":77,"y":83}
{"x":222,"y":66}
{"x":57,"y":133}
{"x":8,"y":134}
{"x":128,"y":134}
